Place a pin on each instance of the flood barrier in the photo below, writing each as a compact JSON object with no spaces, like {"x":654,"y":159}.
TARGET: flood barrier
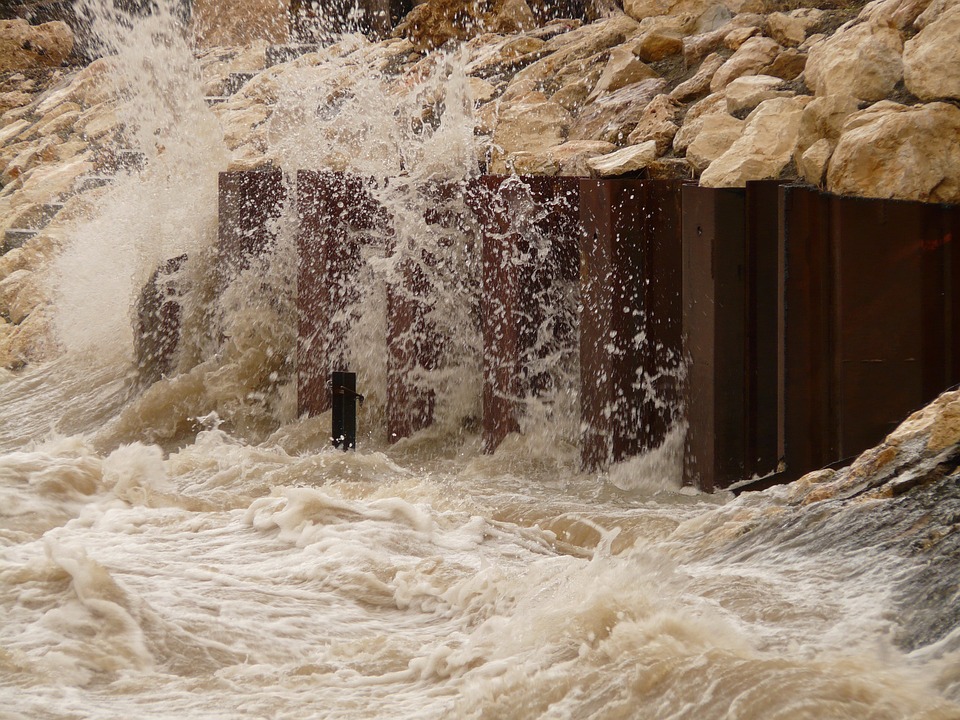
{"x":789,"y":329}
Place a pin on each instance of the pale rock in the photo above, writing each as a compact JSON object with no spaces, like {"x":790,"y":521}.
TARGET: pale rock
{"x":699,"y":46}
{"x":52,"y":182}
{"x":655,"y":45}
{"x":481,"y":91}
{"x":524,"y":163}
{"x":811,"y":41}
{"x":791,"y":29}
{"x":25,"y":46}
{"x":861,"y":60}
{"x":735,"y":39}
{"x":578,"y":45}
{"x":911,"y":153}
{"x":824,"y":118}
{"x":590,"y":69}
{"x":19,"y":295}
{"x":717,"y":133}
{"x":98,"y":122}
{"x":431,"y":24}
{"x":788,"y":65}
{"x":239,"y":22}
{"x":934,"y":10}
{"x":573,"y":158}
{"x":10,"y":100}
{"x":613,"y":116}
{"x":745,"y":93}
{"x":751,"y":59}
{"x":629,"y":159}
{"x":895,"y":13}
{"x":812,"y":164}
{"x":693,"y":121}
{"x":573,"y":96}
{"x":532,"y":125}
{"x":238,"y":126}
{"x":931,"y":59}
{"x":30,"y":342}
{"x":13,"y":130}
{"x":70,"y":149}
{"x":622,"y":69}
{"x":764,"y":149}
{"x":700,"y":82}
{"x":658,"y":123}
{"x":35,"y":153}
{"x":486,"y":117}
{"x":712,"y":18}
{"x":61,"y":123}
{"x":642,"y":9}
{"x":870,"y":114}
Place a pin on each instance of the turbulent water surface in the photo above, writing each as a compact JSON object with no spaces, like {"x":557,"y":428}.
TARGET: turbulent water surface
{"x":191,"y":548}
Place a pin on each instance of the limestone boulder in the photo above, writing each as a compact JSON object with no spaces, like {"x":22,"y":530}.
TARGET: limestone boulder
{"x":533,"y":124}
{"x":764,"y":149}
{"x":658,"y":122}
{"x":931,"y":59}
{"x":824,"y":118}
{"x":15,"y":99}
{"x":693,"y":121}
{"x":641,"y":9}
{"x":700,"y":82}
{"x":745,"y":93}
{"x":572,"y":52}
{"x":863,"y":60}
{"x":752,"y":58}
{"x":812,"y":163}
{"x":569,"y":159}
{"x":791,"y":29}
{"x":735,"y":38}
{"x":25,"y":46}
{"x":658,"y":44}
{"x":622,"y":69}
{"x":614,"y":116}
{"x":717,"y":133}
{"x":934,"y":9}
{"x":239,"y":22}
{"x":434,"y":22}
{"x":911,"y":153}
{"x":629,"y":159}
{"x":896,"y":13}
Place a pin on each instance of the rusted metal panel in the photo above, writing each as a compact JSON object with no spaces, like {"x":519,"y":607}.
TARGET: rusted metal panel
{"x":248,"y":203}
{"x":158,"y":321}
{"x":761,"y":303}
{"x":522,"y":260}
{"x":631,"y":318}
{"x":806,"y":333}
{"x":331,"y":208}
{"x":714,"y":329}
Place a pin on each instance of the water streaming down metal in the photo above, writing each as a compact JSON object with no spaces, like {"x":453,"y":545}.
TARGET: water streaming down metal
{"x":797,"y":327}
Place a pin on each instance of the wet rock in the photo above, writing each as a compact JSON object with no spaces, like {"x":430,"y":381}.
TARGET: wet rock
{"x":764,"y":149}
{"x":751,"y":59}
{"x":614,"y":116}
{"x":700,"y":82}
{"x":25,"y":46}
{"x":860,"y":60}
{"x":931,"y":59}
{"x":569,"y":159}
{"x":239,"y":22}
{"x":658,"y":123}
{"x":812,"y":163}
{"x":19,"y":295}
{"x":434,"y":22}
{"x":693,"y":121}
{"x":11,"y":131}
{"x":572,"y":49}
{"x":791,"y":29}
{"x":658,"y":44}
{"x":532,"y":124}
{"x":717,"y":133}
{"x":622,"y":69}
{"x":745,"y":93}
{"x":629,"y":159}
{"x":911,"y":153}
{"x":481,"y":91}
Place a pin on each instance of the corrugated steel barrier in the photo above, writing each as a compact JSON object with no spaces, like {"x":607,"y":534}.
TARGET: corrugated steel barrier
{"x":791,"y":329}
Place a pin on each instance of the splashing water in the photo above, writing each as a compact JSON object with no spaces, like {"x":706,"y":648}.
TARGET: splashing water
{"x":192,"y":548}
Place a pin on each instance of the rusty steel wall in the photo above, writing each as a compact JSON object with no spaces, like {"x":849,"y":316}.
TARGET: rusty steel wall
{"x":248,"y":202}
{"x":331,"y":207}
{"x":517,"y":280}
{"x":630,"y":326}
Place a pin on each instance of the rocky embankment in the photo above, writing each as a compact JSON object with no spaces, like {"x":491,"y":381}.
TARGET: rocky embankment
{"x":857,"y":100}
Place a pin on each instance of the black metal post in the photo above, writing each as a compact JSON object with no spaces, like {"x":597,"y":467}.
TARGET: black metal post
{"x":343,"y":388}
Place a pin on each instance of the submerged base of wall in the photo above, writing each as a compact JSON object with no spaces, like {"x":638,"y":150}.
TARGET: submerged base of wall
{"x":790,"y":329}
